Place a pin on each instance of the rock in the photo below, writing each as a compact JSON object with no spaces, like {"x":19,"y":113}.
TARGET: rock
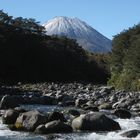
{"x":54,"y":137}
{"x":91,"y":102}
{"x":131,"y":133}
{"x":113,"y":98}
{"x":53,"y":127}
{"x":9,"y":102}
{"x":28,"y":121}
{"x":69,"y":103}
{"x":91,"y":108}
{"x":58,"y":127}
{"x":47,"y":100}
{"x":67,"y":98}
{"x":10,"y":116}
{"x":41,"y":129}
{"x":20,"y":110}
{"x":56,"y":116}
{"x":84,"y":106}
{"x":107,"y":89}
{"x":120,"y":104}
{"x":123,"y":105}
{"x":80,"y":102}
{"x":12,"y":127}
{"x":122,"y":113}
{"x":74,"y":112}
{"x":105,"y":106}
{"x":95,"y":122}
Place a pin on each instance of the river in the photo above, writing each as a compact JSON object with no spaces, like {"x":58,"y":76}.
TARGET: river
{"x":126,"y":124}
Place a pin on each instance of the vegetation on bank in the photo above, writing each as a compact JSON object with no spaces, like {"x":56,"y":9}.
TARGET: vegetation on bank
{"x":125,"y":59}
{"x":27,"y":54}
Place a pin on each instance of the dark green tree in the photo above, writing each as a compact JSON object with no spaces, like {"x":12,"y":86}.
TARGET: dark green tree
{"x":125,"y":59}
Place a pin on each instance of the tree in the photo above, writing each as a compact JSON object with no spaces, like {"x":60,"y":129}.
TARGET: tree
{"x":125,"y":59}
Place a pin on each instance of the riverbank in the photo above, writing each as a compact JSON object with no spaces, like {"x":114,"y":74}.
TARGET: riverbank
{"x":76,"y":103}
{"x":75,"y":94}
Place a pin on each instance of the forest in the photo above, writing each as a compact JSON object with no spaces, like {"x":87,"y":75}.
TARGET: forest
{"x":125,"y":59}
{"x":27,"y":54}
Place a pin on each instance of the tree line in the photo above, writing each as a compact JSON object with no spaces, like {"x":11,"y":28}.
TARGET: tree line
{"x":125,"y":59}
{"x":27,"y":54}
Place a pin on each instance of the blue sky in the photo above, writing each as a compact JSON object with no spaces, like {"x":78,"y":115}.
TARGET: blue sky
{"x":109,"y":17}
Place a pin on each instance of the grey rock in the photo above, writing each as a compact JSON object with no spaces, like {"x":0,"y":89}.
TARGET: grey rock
{"x":10,"y":116}
{"x":91,"y":108}
{"x":53,"y":127}
{"x":41,"y":129}
{"x":74,"y":112}
{"x":80,"y":102}
{"x":131,"y":133}
{"x":9,"y":102}
{"x":95,"y":122}
{"x":56,"y":116}
{"x":47,"y":100}
{"x":105,"y":106}
{"x":28,"y":121}
{"x":122,"y":113}
{"x":58,"y":127}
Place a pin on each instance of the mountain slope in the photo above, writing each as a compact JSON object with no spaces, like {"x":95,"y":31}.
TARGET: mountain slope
{"x":74,"y":28}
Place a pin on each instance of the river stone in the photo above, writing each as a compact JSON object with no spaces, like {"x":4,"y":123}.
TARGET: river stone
{"x":10,"y":116}
{"x":131,"y":133}
{"x":53,"y":127}
{"x":80,"y":102}
{"x":69,"y":103}
{"x":74,"y":112}
{"x":95,"y":122}
{"x":9,"y":102}
{"x":28,"y":121}
{"x":58,"y":127}
{"x":41,"y":129}
{"x":54,"y":137}
{"x":105,"y":106}
{"x":107,"y":89}
{"x":91,"y":108}
{"x":47,"y":100}
{"x":56,"y":116}
{"x":91,"y":102}
{"x":122,"y":113}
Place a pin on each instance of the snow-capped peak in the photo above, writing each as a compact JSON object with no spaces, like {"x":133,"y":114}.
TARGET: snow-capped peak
{"x":86,"y":36}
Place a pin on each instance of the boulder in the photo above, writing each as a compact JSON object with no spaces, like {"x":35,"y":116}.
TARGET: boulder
{"x":47,"y":100}
{"x":106,"y":89}
{"x":91,"y":102}
{"x":56,"y":116}
{"x":58,"y":127}
{"x":54,"y":137}
{"x":131,"y":133}
{"x":122,"y":113}
{"x":91,"y":108}
{"x":10,"y":116}
{"x":69,"y":103}
{"x":9,"y":102}
{"x":95,"y":122}
{"x":80,"y":102}
{"x":54,"y":127}
{"x":20,"y":110}
{"x":67,"y":98}
{"x":74,"y":112}
{"x":41,"y":129}
{"x":105,"y":106}
{"x":28,"y":121}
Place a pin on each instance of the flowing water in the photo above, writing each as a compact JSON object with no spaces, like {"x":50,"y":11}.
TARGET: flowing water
{"x":126,"y":124}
